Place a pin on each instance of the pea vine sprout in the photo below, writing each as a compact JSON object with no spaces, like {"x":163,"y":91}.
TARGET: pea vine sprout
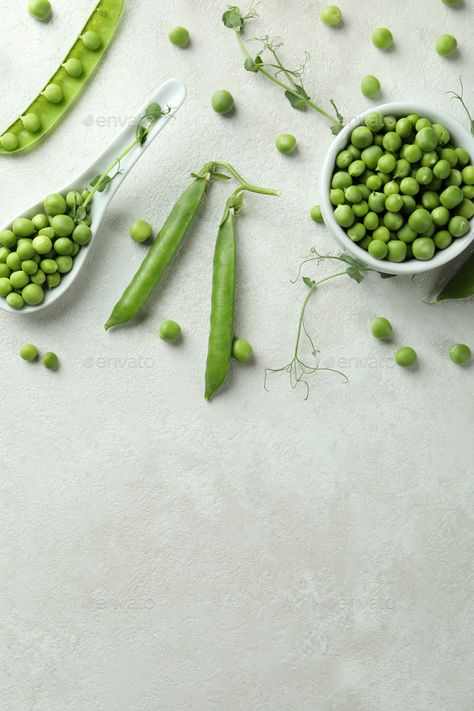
{"x":268,"y":62}
{"x":301,"y":368}
{"x":459,"y":96}
{"x":100,"y":182}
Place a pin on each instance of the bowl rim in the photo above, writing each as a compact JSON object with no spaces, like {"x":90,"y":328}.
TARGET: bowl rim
{"x":441,"y":258}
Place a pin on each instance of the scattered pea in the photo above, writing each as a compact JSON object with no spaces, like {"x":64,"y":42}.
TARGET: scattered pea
{"x":405,"y":356}
{"x":381,"y":327}
{"x":29,"y":352}
{"x":50,"y":360}
{"x":242,"y":350}
{"x":222,"y":101}
{"x":285,"y":143}
{"x":460,"y":354}
{"x":140,"y":231}
{"x":316,"y":213}
{"x":331,"y":15}
{"x":446,"y":45}
{"x":169,"y":330}
{"x":32,"y":294}
{"x":370,"y":86}
{"x":382,"y":38}
{"x":40,"y":9}
{"x":179,"y":36}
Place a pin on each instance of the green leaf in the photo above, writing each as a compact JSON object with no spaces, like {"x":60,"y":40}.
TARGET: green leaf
{"x":355,"y":274}
{"x":221,"y":176}
{"x":300,"y":104}
{"x":250,"y":65}
{"x":336,"y":128}
{"x":386,"y":276}
{"x":80,"y":214}
{"x":104,"y":181}
{"x":360,"y":266}
{"x":233,"y":19}
{"x":309,"y":282}
{"x":154,"y":111}
{"x":142,"y":134}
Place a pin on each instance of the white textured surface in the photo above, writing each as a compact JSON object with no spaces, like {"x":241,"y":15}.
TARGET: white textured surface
{"x":260,"y":552}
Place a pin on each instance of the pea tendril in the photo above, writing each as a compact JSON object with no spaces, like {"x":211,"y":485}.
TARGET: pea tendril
{"x":298,"y":368}
{"x":460,"y":97}
{"x":275,"y":69}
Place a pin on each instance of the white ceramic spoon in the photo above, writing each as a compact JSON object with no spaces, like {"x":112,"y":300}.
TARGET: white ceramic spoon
{"x":170,"y":94}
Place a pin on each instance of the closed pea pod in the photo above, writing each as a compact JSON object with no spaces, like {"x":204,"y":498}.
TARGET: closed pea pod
{"x":162,"y":250}
{"x":221,"y":334}
{"x":68,"y":81}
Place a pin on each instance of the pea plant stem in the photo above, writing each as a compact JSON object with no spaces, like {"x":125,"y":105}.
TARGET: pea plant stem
{"x":244,"y":184}
{"x":282,"y":85}
{"x":107,"y":172}
{"x":310,"y":293}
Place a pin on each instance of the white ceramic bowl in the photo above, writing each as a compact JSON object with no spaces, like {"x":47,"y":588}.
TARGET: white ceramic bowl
{"x":460,"y":137}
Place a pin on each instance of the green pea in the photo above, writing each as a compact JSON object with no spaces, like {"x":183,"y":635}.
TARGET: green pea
{"x":391,"y":188}
{"x":222,"y":101}
{"x":460,"y":354}
{"x":40,"y":9}
{"x":402,"y":168}
{"x":29,"y":266}
{"x":73,"y":199}
{"x":341,"y":180}
{"x":92,"y":40}
{"x":356,"y":232}
{"x":336,"y":196}
{"x":387,"y":163}
{"x":29,"y":352}
{"x":353,"y":194}
{"x":285,"y":143}
{"x":356,"y":168}
{"x":381,"y":327}
{"x":423,"y":248}
{"x":63,"y":225}
{"x":15,"y":300}
{"x":8,"y":239}
{"x":371,"y":155}
{"x":413,"y":119}
{"x":179,"y":36}
{"x":442,"y":239}
{"x":406,"y":234}
{"x":53,"y":280}
{"x":53,"y":93}
{"x":169,"y":330}
{"x":48,"y":266}
{"x":430,"y":200}
{"x":420,"y":220}
{"x":382,"y":233}
{"x":458,"y":226}
{"x":364,"y":244}
{"x":331,"y":15}
{"x":397,"y":250}
{"x":443,"y":134}
{"x":5,"y":286}
{"x":370,"y":86}
{"x":424,"y":176}
{"x":50,"y":360}
{"x":392,"y":141}
{"x":382,"y":38}
{"x":9,"y":141}
{"x":316,"y":213}
{"x":468,"y":174}
{"x":429,"y":159}
{"x":451,"y":197}
{"x":344,"y":159}
{"x":393,"y":221}
{"x":377,"y":202}
{"x":40,"y":221}
{"x":390,"y":122}
{"x":394,"y":203}
{"x":25,"y":249}
{"x":4,"y":252}
{"x":371,"y":221}
{"x":426,"y":139}
{"x":423,"y":122}
{"x":23,"y":227}
{"x":374,"y":182}
{"x":19,"y":279}
{"x":411,"y":152}
{"x":462,"y":155}
{"x":39,"y":277}
{"x":65,"y":264}
{"x":405,"y":357}
{"x":82,"y":234}
{"x":466,"y":209}
{"x":31,"y":122}
{"x":344,"y":215}
{"x":377,"y":249}
{"x":242,"y":350}
{"x":451,"y":3}
{"x":446,"y":45}
{"x":361,"y":208}
{"x":32,"y":294}
{"x":374,"y":121}
{"x":47,"y":232}
{"x":440,"y":216}
{"x":55,"y":204}
{"x":63,"y":246}
{"x":74,"y":67}
{"x":404,"y":127}
{"x":354,"y":151}
{"x":5,"y":271}
{"x":13,"y":261}
{"x":75,"y":250}
{"x":42,"y":244}
{"x":361,"y":137}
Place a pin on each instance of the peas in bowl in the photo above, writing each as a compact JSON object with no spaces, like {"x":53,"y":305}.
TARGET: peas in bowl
{"x":398,"y":188}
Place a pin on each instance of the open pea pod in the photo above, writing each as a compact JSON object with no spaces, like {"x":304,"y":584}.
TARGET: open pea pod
{"x":66,"y":85}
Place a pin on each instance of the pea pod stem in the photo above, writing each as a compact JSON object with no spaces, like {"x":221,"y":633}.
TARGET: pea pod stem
{"x":244,"y":184}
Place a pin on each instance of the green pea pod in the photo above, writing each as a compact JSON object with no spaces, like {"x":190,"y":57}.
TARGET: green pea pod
{"x":68,"y":81}
{"x":461,"y":285}
{"x":221,"y":334}
{"x":162,"y":250}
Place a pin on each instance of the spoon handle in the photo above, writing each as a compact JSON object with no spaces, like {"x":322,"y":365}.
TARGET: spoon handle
{"x":169,"y":95}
